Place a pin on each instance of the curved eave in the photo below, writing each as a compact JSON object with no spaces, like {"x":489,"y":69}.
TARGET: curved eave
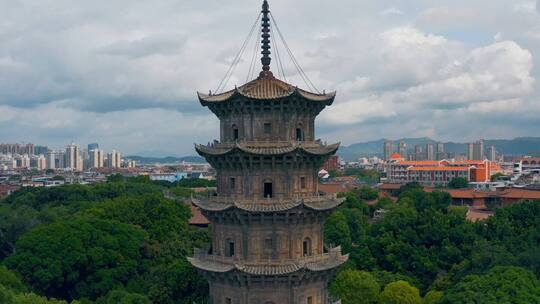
{"x":268,"y":270}
{"x":214,"y":206}
{"x":206,"y":99}
{"x":317,"y":151}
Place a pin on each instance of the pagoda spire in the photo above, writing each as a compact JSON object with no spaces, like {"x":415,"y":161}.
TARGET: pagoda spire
{"x":265,"y":37}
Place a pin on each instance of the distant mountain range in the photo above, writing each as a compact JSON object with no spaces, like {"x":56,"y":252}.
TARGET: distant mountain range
{"x":517,"y":146}
{"x":166,"y":160}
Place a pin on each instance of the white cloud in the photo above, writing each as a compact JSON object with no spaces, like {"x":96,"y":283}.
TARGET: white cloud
{"x":125,"y":73}
{"x":391,"y":12}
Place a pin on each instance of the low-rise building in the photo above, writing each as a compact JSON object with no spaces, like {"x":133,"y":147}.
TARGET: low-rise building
{"x":438,"y":172}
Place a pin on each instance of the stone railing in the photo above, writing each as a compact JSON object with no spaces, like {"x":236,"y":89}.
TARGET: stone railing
{"x":310,"y":198}
{"x":201,"y":254}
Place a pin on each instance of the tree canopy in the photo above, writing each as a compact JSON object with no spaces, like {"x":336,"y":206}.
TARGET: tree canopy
{"x":356,"y":287}
{"x":80,"y":257}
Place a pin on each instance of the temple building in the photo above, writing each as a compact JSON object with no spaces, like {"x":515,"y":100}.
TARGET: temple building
{"x":268,"y":217}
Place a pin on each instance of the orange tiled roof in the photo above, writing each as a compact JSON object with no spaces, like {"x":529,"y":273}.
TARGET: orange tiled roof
{"x":396,"y":156}
{"x":439,"y":168}
{"x":468,"y":162}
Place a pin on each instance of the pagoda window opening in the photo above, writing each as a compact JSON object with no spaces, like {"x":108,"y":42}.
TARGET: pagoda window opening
{"x":309,"y":300}
{"x":302,"y":182}
{"x":229,"y":250}
{"x":236,"y":133}
{"x":306,"y":247}
{"x":268,"y":191}
{"x":233,"y":183}
{"x":299,"y":134}
{"x":228,"y":301}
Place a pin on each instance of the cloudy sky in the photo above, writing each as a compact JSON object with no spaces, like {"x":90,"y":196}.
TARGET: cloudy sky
{"x":124,"y":73}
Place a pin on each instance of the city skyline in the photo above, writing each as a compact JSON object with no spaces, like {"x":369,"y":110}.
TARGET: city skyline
{"x":125,"y":74}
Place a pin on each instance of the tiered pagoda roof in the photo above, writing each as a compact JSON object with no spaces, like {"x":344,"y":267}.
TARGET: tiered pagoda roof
{"x":316,"y":203}
{"x":258,"y":148}
{"x":266,"y":87}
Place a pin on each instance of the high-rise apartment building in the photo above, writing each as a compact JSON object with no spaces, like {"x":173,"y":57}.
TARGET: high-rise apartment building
{"x":96,"y":159}
{"x":492,"y":153}
{"x":41,"y":150}
{"x":478,"y":150}
{"x":402,"y":149}
{"x":114,"y":160}
{"x":470,"y":151}
{"x":430,"y":152}
{"x":93,"y":146}
{"x":50,"y":160}
{"x":388,"y":149}
{"x":418,"y":153}
{"x":439,"y":151}
{"x":73,"y":158}
{"x":41,"y":162}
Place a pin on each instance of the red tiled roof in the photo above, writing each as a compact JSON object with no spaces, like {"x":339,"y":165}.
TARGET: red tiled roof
{"x":197,"y":219}
{"x":512,"y":193}
{"x":334,"y":188}
{"x":390,"y":186}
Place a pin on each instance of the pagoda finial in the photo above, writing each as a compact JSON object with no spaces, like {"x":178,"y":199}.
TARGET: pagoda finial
{"x":265,"y":35}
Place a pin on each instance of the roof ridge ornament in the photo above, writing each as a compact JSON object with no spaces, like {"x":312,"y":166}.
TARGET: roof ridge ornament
{"x":265,"y":40}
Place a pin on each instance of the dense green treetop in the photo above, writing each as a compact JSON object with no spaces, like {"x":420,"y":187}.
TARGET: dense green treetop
{"x":502,"y":284}
{"x":80,"y":257}
{"x":400,"y":292}
{"x":355,"y":287}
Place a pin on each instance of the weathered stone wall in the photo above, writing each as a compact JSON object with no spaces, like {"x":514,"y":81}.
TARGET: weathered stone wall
{"x":286,"y":183}
{"x":269,"y":293}
{"x":261,"y":242}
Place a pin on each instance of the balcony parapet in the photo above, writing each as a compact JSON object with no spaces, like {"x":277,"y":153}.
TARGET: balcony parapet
{"x":316,"y":263}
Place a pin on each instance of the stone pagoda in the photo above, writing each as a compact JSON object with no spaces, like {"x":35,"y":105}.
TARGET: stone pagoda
{"x":268,"y":216}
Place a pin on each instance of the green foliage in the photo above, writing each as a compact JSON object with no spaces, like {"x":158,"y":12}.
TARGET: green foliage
{"x":516,"y":231}
{"x":355,"y":287}
{"x":10,"y":296}
{"x":29,"y":207}
{"x":11,"y":280}
{"x":181,"y":192}
{"x":367,"y":193}
{"x":385,"y":277}
{"x":336,"y":231}
{"x":458,"y":183}
{"x":80,"y":257}
{"x":400,"y":292}
{"x":502,"y":284}
{"x":364,"y":175}
{"x":120,"y":296}
{"x":497,"y":176}
{"x":195,"y":183}
{"x":410,"y":186}
{"x":432,"y":297}
{"x":161,"y":218}
{"x":176,"y":283}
